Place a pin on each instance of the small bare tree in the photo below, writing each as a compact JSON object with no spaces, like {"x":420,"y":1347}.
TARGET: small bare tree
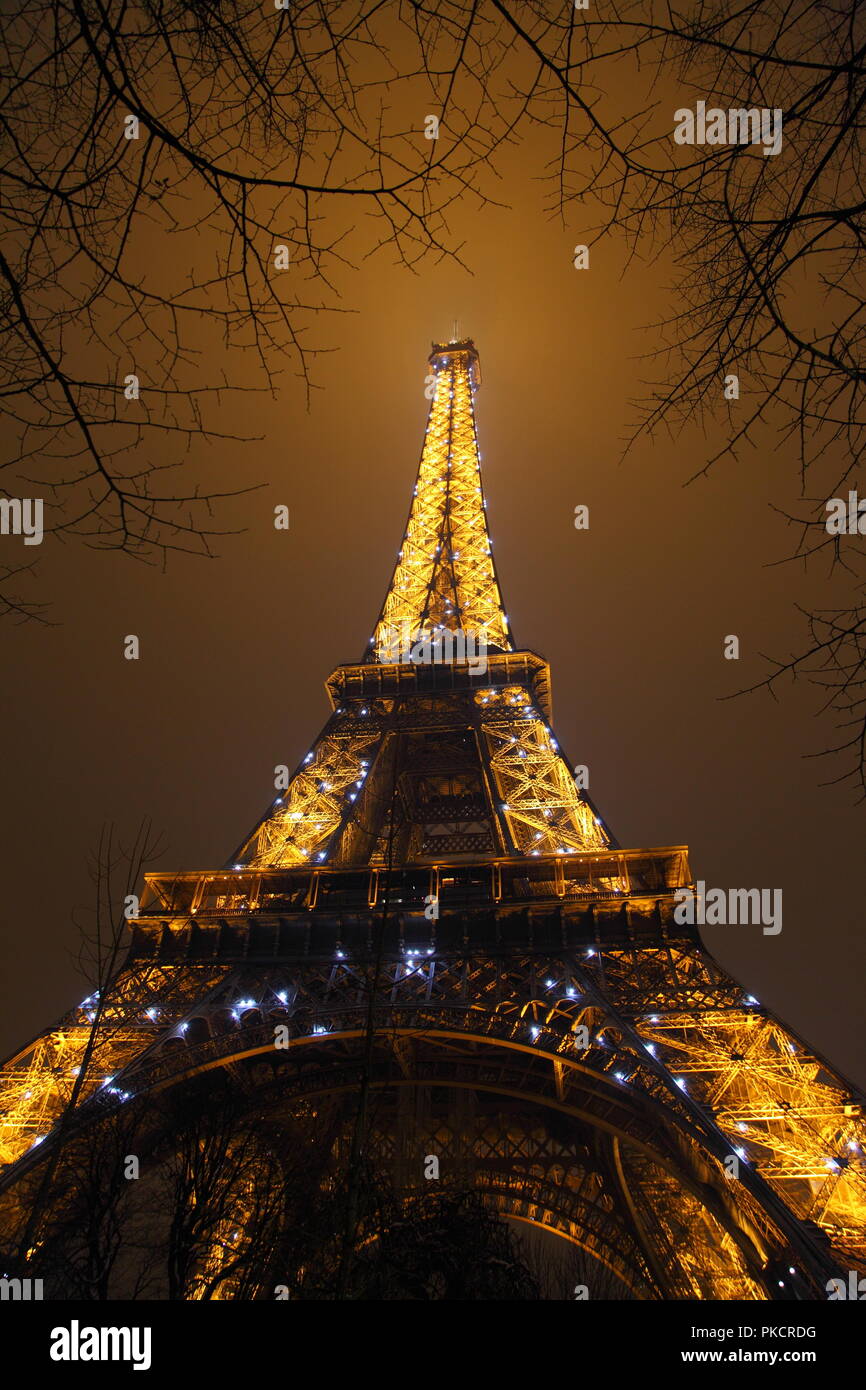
{"x":103,"y":940}
{"x":84,"y":1230}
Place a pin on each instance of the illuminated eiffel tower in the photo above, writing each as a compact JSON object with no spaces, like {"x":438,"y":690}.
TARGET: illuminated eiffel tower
{"x":540,"y":1021}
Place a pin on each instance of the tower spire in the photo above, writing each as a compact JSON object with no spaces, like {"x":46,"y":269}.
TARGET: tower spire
{"x":445,"y":578}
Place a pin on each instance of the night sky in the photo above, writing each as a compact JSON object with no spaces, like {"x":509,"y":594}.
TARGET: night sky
{"x":632,"y":615}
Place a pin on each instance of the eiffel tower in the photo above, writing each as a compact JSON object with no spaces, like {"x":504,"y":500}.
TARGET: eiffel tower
{"x":539,"y":1021}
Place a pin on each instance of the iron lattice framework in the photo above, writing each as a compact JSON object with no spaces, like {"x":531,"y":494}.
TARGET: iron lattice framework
{"x":445,"y":578}
{"x":539,"y":1020}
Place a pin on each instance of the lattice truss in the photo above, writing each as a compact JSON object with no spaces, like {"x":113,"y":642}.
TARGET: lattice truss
{"x":533,"y":1176}
{"x":318,"y":799}
{"x":650,"y":1020}
{"x":536,"y":1177}
{"x":654,"y":1019}
{"x":37,"y":1083}
{"x":700,"y":1258}
{"x":666,"y":1021}
{"x":539,"y":799}
{"x":781,"y":1110}
{"x":445,"y":577}
{"x":555,"y":1019}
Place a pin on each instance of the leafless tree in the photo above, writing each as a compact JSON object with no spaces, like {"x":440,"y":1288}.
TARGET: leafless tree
{"x":105,"y":1013}
{"x":88,"y":1223}
{"x":157,"y":157}
{"x":254,"y":128}
{"x":221,"y":1186}
{"x":443,"y":1243}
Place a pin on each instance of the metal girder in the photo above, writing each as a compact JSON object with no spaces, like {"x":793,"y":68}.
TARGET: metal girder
{"x":540,"y":803}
